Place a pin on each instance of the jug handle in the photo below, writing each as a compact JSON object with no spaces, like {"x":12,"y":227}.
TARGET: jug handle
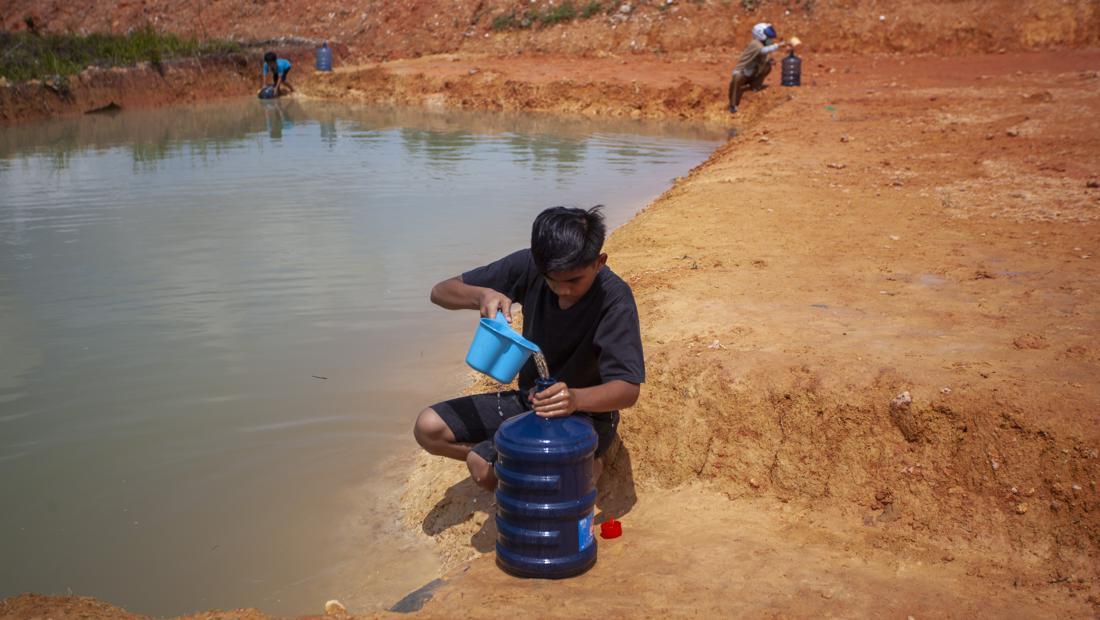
{"x":500,"y":317}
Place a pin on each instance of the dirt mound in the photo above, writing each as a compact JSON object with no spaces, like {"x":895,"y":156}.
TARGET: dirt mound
{"x":411,"y":28}
{"x":107,"y":90}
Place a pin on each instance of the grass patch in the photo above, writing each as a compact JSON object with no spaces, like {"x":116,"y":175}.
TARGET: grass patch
{"x":567,"y":11}
{"x":564,"y":12}
{"x":504,"y":21}
{"x":591,"y":9}
{"x":30,"y":55}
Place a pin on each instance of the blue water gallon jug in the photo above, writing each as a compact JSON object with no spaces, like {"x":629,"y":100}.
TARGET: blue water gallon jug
{"x":324,"y":57}
{"x":546,"y":495}
{"x":792,"y":70}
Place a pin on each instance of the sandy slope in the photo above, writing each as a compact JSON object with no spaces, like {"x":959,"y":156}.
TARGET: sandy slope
{"x":931,"y":231}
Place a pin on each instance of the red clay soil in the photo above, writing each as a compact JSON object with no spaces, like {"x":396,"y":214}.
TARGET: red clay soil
{"x":145,"y":85}
{"x":876,"y":308}
{"x":148,"y":84}
{"x":411,"y":28}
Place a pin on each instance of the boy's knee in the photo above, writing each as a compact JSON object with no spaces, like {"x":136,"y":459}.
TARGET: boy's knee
{"x":430,"y":430}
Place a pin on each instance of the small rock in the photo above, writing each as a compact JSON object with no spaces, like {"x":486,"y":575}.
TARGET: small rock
{"x":945,"y":390}
{"x":826,"y":594}
{"x":626,"y":9}
{"x":837,"y":166}
{"x":845,"y":138}
{"x":988,"y":136}
{"x":335,"y":608}
{"x":763,"y":138}
{"x":1012,"y":133}
{"x":1021,"y":508}
{"x":889,"y":514}
{"x":947,"y":557}
{"x":1055,"y":505}
{"x":901,"y":400}
{"x":1092,"y":183}
{"x":895,"y":238}
{"x":472,"y":71}
{"x":754,"y":483}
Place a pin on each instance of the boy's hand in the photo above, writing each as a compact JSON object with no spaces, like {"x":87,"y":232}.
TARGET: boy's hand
{"x":491,"y":301}
{"x":554,"y":402}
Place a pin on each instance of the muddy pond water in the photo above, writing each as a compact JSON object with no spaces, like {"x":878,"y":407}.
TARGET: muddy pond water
{"x":215,"y":333}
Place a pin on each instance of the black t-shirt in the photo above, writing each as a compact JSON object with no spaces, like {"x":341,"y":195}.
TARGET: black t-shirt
{"x":594,"y":341}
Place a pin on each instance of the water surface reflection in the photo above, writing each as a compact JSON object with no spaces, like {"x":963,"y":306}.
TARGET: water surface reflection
{"x":214,"y":325}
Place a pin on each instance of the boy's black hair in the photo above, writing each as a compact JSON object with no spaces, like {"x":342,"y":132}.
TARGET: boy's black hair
{"x":270,"y":57}
{"x":564,"y":238}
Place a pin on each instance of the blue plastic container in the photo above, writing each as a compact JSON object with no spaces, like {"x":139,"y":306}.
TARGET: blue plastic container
{"x":546,"y":495}
{"x":324,"y":57}
{"x":497,"y":350}
{"x":792,"y":71}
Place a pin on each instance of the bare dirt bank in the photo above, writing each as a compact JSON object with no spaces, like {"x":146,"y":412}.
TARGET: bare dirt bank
{"x":144,"y":85}
{"x":411,"y":28}
{"x":655,"y":34}
{"x":919,"y":226}
{"x":687,"y":88}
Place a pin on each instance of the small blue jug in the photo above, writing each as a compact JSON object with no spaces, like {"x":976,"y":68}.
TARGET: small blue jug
{"x":498,"y":351}
{"x":324,"y":57}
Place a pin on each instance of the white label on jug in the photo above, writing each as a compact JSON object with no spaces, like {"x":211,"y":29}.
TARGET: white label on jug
{"x":584,"y":531}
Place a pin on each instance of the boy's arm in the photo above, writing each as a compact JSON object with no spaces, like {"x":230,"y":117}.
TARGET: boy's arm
{"x":454,"y":294}
{"x":562,"y":400}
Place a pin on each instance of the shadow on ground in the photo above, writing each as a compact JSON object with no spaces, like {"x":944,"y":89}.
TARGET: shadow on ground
{"x":616,"y":496}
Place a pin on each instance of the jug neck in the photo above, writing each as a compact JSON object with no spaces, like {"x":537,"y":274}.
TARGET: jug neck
{"x":542,"y":384}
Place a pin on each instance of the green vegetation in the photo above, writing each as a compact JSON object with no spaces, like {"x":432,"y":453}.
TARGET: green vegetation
{"x":32,"y":55}
{"x":565,"y":12}
{"x":504,"y":21}
{"x":590,"y":9}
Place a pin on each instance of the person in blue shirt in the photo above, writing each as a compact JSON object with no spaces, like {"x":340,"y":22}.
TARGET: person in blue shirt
{"x":278,"y":67}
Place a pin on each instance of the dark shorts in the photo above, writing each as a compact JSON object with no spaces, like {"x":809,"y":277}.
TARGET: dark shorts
{"x":475,"y":419}
{"x":275,"y":75}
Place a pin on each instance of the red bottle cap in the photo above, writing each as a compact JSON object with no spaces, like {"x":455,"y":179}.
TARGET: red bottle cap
{"x":611,"y":529}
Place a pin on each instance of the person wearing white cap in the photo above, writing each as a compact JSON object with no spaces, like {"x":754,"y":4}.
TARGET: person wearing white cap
{"x":754,"y":64}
